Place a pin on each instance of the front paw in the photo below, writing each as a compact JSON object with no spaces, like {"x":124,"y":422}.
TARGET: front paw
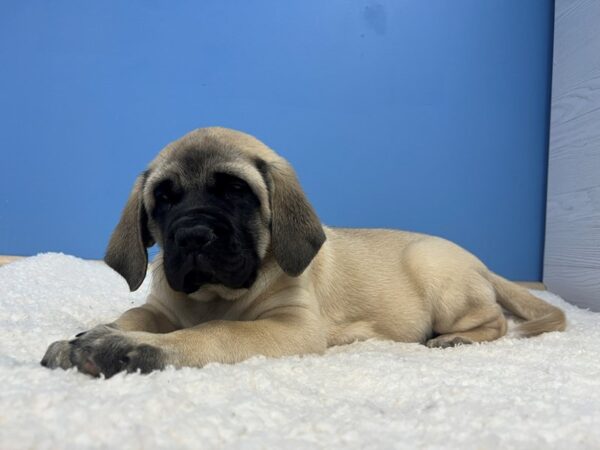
{"x":58,"y":355}
{"x":105,"y":350}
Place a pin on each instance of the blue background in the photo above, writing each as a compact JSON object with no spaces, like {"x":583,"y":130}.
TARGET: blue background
{"x":422,"y":115}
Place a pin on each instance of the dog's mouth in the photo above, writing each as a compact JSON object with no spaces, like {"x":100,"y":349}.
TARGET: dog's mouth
{"x":234,"y":271}
{"x":188,"y":273}
{"x":192,"y":282}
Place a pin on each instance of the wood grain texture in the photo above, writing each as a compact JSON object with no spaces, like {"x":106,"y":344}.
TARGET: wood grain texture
{"x":572,"y":248}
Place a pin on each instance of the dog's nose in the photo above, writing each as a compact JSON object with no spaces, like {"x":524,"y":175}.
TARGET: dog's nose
{"x":194,"y":238}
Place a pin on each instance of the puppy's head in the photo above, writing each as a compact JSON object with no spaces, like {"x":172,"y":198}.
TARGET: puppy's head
{"x":217,"y":202}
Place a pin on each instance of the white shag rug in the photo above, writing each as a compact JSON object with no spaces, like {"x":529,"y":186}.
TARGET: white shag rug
{"x":542,"y":392}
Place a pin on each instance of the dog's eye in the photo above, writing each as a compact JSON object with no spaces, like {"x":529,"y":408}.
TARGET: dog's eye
{"x":163,"y":197}
{"x":164,"y":194}
{"x":229,"y":184}
{"x":236,"y":185}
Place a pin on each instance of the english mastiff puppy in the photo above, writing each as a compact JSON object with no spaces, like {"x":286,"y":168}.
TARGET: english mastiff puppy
{"x":246,"y":268}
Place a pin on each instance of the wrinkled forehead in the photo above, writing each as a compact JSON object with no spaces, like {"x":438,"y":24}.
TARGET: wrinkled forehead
{"x":195,"y":165}
{"x":192,"y":165}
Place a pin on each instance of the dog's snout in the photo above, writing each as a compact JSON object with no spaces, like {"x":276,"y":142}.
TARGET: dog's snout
{"x":194,"y":238}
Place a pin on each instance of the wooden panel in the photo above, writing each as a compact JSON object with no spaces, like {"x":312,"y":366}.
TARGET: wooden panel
{"x":572,"y":250}
{"x":8,"y":259}
{"x":577,"y":281}
{"x":532,"y":285}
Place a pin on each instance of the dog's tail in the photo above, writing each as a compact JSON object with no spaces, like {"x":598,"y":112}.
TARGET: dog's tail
{"x":540,"y":317}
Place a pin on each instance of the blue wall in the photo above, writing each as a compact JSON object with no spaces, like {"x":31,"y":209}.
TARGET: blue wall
{"x":423,"y":115}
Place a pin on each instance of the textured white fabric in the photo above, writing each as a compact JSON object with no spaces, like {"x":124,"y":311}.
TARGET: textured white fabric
{"x":542,"y":392}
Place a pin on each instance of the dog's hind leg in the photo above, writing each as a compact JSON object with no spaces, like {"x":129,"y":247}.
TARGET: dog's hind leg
{"x":488,"y":331}
{"x":467,"y":313}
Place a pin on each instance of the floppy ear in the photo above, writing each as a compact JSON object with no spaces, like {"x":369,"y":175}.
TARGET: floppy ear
{"x":126,"y":252}
{"x":296,"y":231}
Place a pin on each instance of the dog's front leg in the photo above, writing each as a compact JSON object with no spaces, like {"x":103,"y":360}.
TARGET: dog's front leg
{"x":144,"y":318}
{"x":286,"y":332}
{"x":289,"y":331}
{"x":285,"y":323}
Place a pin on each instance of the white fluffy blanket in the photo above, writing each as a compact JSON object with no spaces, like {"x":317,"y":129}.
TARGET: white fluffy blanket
{"x":542,"y":392}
